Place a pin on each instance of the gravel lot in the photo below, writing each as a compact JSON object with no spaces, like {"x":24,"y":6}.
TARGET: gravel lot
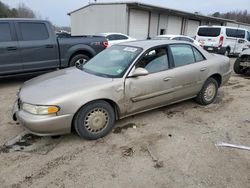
{"x":181,"y":138}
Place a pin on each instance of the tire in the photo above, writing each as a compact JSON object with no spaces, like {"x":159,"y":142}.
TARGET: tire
{"x":94,"y":120}
{"x":78,"y":60}
{"x":237,"y":68}
{"x":208,"y":92}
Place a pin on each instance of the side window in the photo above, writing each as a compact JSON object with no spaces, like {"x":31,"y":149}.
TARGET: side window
{"x":198,"y":56}
{"x":111,"y":37}
{"x":182,"y":54}
{"x":155,"y":60}
{"x":240,"y":34}
{"x":187,"y":39}
{"x":121,"y":37}
{"x":5,"y":31}
{"x":33,"y":31}
{"x":236,"y":33}
{"x":231,"y":32}
{"x":176,"y":38}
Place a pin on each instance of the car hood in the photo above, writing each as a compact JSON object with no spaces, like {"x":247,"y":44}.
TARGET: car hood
{"x":52,"y":86}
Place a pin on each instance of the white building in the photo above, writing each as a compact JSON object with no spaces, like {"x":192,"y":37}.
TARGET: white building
{"x":139,"y":20}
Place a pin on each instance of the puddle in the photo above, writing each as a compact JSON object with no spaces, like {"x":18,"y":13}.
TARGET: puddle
{"x":27,"y":142}
{"x":238,"y":86}
{"x":231,"y":83}
{"x":172,"y":113}
{"x":118,"y":130}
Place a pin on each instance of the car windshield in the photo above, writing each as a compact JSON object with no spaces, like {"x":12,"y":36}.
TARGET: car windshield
{"x":112,"y":62}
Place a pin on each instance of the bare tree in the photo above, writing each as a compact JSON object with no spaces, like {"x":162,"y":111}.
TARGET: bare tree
{"x":25,"y":12}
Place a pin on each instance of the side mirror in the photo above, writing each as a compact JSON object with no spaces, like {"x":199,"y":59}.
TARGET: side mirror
{"x":139,"y":72}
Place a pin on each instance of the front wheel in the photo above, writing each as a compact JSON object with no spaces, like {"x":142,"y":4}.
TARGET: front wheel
{"x":237,"y":68}
{"x":94,"y":120}
{"x":208,"y":92}
{"x":78,"y":60}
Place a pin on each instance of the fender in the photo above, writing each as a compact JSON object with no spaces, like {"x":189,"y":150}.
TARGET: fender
{"x":74,"y":49}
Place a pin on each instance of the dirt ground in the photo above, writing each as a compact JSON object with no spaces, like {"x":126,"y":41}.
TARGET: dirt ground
{"x":181,"y":139}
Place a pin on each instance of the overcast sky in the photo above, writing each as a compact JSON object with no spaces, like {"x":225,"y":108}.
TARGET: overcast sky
{"x":56,"y":10}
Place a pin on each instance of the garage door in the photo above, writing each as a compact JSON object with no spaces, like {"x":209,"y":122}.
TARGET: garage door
{"x":174,"y":25}
{"x":138,"y":24}
{"x":191,"y":27}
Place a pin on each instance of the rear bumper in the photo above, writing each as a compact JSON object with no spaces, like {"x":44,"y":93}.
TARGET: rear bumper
{"x":216,"y":50}
{"x":43,"y":125}
{"x":226,"y":77}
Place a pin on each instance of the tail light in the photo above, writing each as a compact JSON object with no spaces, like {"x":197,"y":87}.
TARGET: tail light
{"x":221,"y":41}
{"x":105,"y":44}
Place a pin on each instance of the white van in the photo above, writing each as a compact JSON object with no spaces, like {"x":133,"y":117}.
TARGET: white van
{"x":222,"y":39}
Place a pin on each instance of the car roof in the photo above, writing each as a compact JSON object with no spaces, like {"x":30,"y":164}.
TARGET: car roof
{"x":146,"y":44}
{"x":106,"y":34}
{"x":172,"y":36}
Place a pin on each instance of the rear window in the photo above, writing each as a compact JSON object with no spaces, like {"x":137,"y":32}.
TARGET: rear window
{"x":33,"y":31}
{"x":5,"y":35}
{"x":209,"y":31}
{"x":236,"y":33}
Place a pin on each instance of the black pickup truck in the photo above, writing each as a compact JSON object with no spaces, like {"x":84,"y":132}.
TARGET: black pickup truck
{"x":28,"y":45}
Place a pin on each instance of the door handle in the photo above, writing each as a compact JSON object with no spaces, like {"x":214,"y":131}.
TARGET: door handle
{"x":49,"y":46}
{"x":203,"y":69}
{"x":167,"y":79}
{"x":11,"y":48}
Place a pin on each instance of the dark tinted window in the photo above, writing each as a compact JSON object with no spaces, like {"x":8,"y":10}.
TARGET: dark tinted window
{"x":198,"y":56}
{"x":209,"y":31}
{"x":117,"y":37}
{"x":5,"y":34}
{"x":236,"y":33}
{"x":182,"y":54}
{"x":34,"y":31}
{"x":155,"y":61}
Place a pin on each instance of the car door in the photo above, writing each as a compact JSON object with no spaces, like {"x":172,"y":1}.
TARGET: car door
{"x":37,"y":45}
{"x":10,"y":60}
{"x":153,"y":90}
{"x":190,"y":70}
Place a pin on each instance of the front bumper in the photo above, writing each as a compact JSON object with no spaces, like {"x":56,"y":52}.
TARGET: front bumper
{"x":43,"y":125}
{"x":217,"y":50}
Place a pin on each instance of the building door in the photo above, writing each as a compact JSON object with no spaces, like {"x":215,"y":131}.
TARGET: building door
{"x":191,"y":27}
{"x":138,"y":24}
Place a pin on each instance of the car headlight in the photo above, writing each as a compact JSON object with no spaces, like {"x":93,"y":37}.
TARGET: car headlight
{"x":40,"y":110}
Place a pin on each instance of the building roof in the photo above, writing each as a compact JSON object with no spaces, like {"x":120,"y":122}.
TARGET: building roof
{"x":163,"y":10}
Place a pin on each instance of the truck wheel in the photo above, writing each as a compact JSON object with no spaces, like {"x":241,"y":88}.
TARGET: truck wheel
{"x":94,"y":120}
{"x":208,"y":92}
{"x":78,"y":60}
{"x":237,"y":68}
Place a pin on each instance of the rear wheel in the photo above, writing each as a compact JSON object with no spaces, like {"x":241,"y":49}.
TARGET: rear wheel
{"x":94,"y":120}
{"x":78,"y":60}
{"x":208,"y":92}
